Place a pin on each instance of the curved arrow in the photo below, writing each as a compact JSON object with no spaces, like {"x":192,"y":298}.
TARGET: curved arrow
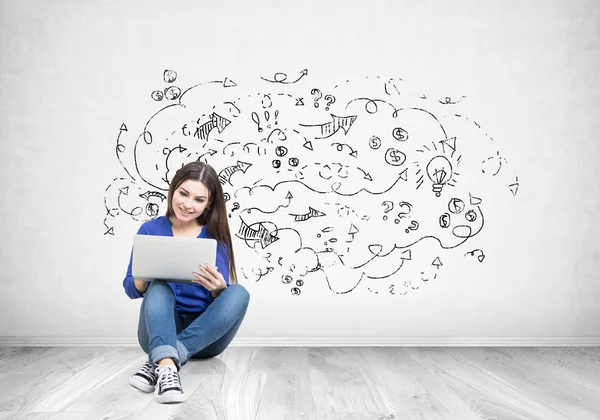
{"x":282,"y":78}
{"x":149,"y":194}
{"x":216,"y":121}
{"x":136,"y":211}
{"x":367,"y":175}
{"x":180,"y":149}
{"x":330,"y":128}
{"x":210,"y":152}
{"x":225,"y":174}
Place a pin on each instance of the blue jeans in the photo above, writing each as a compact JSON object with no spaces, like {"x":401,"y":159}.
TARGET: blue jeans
{"x":165,"y":333}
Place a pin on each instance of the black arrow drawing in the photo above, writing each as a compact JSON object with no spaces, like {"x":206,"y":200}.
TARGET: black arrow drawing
{"x":311,"y":213}
{"x":261,"y":235}
{"x":330,"y":128}
{"x":225,"y":174}
{"x":216,"y":121}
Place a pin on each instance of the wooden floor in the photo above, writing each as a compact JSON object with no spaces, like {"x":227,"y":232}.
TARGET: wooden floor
{"x":358,"y":383}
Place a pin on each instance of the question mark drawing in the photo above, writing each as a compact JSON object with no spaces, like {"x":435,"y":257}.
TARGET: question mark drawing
{"x":314,"y":92}
{"x":413,"y":226}
{"x":389,"y":206}
{"x":236,"y":206}
{"x":403,"y":213}
{"x":330,"y":99}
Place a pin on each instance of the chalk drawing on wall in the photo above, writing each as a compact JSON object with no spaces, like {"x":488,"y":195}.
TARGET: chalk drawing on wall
{"x":365,"y":185}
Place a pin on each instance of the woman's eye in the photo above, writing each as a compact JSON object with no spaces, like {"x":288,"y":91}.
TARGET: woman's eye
{"x":199,"y":200}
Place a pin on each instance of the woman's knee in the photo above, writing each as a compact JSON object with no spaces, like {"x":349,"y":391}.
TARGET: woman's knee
{"x":238,"y":293}
{"x":157,"y":286}
{"x":158,"y":290}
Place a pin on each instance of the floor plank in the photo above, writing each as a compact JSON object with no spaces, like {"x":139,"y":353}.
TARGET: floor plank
{"x":455,"y":405}
{"x":305,"y":406}
{"x":485,"y":394}
{"x":58,"y":390}
{"x":39,"y":369}
{"x":281,"y":383}
{"x":338,"y":385}
{"x":115,"y":398}
{"x":223,"y":396}
{"x":400,"y":387}
{"x":278,"y":399}
{"x":239,"y":360}
{"x":568,"y":384}
{"x":42,"y":375}
{"x":280,"y":365}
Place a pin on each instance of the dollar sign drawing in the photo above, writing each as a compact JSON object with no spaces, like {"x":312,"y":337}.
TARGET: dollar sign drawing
{"x":395,"y":157}
{"x":375,"y":142}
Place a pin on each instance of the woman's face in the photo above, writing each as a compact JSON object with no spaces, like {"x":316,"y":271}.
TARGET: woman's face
{"x":189,"y":200}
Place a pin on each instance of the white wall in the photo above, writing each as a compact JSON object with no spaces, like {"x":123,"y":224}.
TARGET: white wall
{"x":71,"y":73}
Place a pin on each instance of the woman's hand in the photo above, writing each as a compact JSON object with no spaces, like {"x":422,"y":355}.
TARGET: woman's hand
{"x":140,"y":286}
{"x":213,"y":281}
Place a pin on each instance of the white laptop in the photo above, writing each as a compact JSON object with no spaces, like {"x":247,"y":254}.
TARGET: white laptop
{"x":171,"y":258}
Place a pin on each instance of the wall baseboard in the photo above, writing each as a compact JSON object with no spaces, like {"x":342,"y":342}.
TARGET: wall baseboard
{"x":321,"y":342}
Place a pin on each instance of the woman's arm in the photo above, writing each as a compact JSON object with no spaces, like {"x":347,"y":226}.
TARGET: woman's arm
{"x":135,"y":289}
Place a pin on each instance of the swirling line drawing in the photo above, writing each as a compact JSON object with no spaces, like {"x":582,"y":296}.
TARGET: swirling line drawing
{"x":282,"y":78}
{"x":480,"y":257}
{"x":276,"y":166}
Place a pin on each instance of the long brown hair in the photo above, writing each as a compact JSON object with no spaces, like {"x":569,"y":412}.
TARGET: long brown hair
{"x":214,"y":215}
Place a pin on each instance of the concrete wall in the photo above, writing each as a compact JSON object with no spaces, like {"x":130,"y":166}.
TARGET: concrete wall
{"x":515,"y":82}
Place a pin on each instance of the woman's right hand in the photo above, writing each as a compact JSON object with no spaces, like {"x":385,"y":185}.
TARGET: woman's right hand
{"x":140,"y":285}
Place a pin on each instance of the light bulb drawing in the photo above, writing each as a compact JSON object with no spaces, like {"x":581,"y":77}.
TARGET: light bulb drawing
{"x":439,"y":171}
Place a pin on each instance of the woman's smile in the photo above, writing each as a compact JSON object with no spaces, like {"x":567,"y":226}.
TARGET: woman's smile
{"x":190,"y":200}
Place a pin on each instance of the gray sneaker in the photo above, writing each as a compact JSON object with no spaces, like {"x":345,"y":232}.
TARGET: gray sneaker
{"x":145,"y":378}
{"x":169,"y":385}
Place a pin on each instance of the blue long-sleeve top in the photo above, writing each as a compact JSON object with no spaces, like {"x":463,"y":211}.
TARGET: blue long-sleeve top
{"x":189,"y":298}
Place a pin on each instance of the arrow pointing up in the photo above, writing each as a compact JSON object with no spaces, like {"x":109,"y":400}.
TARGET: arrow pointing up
{"x":474,"y":200}
{"x":404,"y":175}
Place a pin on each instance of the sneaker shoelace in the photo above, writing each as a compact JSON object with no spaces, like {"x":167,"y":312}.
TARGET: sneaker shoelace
{"x":148,"y":371}
{"x":169,"y":380}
